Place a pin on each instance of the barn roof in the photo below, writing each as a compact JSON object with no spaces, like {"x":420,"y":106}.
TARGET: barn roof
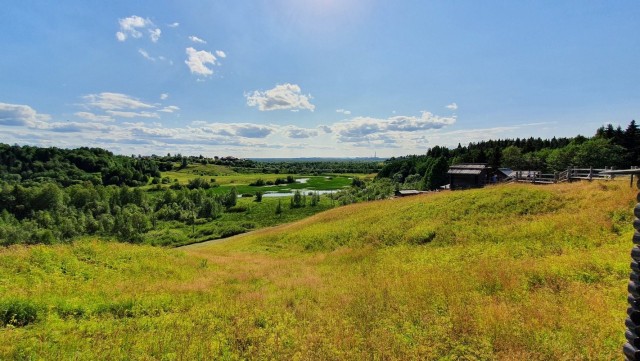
{"x":409,"y":192}
{"x":468,"y":168}
{"x":465,"y":171}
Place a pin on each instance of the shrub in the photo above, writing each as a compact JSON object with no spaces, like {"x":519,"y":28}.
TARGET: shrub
{"x":237,"y":209}
{"x":258,"y":183}
{"x":17,"y":313}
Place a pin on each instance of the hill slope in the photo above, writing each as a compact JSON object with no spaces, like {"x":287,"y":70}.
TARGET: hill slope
{"x":509,"y":272}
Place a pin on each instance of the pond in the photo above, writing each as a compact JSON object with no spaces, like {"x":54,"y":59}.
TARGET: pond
{"x":270,"y":194}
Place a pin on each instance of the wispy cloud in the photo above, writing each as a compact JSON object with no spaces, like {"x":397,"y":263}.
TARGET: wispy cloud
{"x":169,"y":109}
{"x":174,"y":25}
{"x":282,"y":97}
{"x":146,"y":55}
{"x":114,"y":101}
{"x":196,"y":39}
{"x":452,"y":106}
{"x":94,"y":117}
{"x":343,"y":111}
{"x":129,"y":114}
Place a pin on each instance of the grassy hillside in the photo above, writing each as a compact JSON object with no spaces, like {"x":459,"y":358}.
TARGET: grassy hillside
{"x":511,"y":272}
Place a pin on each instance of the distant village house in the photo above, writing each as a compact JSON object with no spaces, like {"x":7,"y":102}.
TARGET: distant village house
{"x":469,"y":175}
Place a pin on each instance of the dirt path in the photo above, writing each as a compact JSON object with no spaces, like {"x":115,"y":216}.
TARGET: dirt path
{"x":194,"y":246}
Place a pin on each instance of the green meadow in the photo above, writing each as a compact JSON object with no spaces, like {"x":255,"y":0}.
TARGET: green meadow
{"x":511,"y":272}
{"x":225,"y":177}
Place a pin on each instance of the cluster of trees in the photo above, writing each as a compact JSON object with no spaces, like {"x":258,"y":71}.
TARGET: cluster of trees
{"x":261,"y":182}
{"x":609,"y":147}
{"x":73,"y":166}
{"x":47,"y":213}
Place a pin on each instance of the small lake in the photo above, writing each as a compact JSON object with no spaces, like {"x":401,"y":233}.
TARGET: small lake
{"x":291,"y":193}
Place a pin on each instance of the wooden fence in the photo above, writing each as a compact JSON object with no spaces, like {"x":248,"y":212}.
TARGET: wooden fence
{"x":558,"y":177}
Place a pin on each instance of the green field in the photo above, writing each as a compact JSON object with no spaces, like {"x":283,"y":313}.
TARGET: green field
{"x":247,"y":215}
{"x":225,"y":177}
{"x":512,"y":272}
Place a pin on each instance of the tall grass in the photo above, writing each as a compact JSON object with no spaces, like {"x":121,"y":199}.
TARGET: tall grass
{"x":510,"y":272}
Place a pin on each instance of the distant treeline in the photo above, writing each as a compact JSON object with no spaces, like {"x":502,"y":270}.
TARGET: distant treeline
{"x":608,"y":147}
{"x":19,"y":164}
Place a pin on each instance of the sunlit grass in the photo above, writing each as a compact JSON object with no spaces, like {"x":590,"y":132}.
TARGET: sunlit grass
{"x":510,"y":272}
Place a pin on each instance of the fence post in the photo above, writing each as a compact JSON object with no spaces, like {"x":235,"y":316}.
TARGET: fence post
{"x":555,"y":177}
{"x":630,"y":349}
{"x":569,"y":174}
{"x":590,"y":173}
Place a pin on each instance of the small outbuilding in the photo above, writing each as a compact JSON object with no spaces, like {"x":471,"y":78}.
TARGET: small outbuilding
{"x":504,"y":173}
{"x":407,"y":192}
{"x":468,"y":175}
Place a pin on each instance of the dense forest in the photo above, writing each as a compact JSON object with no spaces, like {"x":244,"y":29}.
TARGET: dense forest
{"x":608,"y":147}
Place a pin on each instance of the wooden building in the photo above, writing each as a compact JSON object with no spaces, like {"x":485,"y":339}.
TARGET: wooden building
{"x":468,"y":175}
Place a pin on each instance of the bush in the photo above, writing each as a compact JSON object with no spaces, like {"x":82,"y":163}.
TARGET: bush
{"x":17,"y":313}
{"x":237,"y":209}
{"x":258,"y":183}
{"x":198,"y":183}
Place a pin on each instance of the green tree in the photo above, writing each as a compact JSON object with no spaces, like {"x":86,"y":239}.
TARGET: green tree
{"x":512,"y":158}
{"x":436,"y":175}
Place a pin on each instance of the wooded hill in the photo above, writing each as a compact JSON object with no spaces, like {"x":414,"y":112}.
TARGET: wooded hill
{"x":608,"y":147}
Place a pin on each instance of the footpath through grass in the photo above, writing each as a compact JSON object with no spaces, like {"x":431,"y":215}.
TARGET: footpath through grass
{"x":511,"y":273}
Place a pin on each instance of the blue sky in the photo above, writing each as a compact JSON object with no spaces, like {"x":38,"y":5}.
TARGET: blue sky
{"x":293,"y":78}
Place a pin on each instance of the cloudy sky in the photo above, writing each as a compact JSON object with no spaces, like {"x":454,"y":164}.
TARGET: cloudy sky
{"x":294,"y":78}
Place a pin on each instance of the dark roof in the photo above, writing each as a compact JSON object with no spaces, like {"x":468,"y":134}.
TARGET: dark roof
{"x":465,"y":171}
{"x":468,"y":168}
{"x":507,"y":171}
{"x":407,"y":192}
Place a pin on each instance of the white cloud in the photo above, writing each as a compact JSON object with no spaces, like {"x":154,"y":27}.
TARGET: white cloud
{"x":93,"y":117}
{"x":196,"y":39}
{"x":300,"y":133}
{"x":164,"y":96}
{"x":169,"y":109}
{"x":131,"y":26}
{"x":283,"y":96}
{"x":20,"y":115}
{"x":221,"y":54}
{"x":146,"y":55}
{"x":343,"y":111}
{"x":76,"y":127}
{"x":197,"y":61}
{"x":174,"y":25}
{"x":154,"y":34}
{"x":325,"y":128}
{"x":245,"y":130}
{"x":114,"y":101}
{"x":362,"y":129}
{"x":126,"y":114}
{"x":452,"y":106}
